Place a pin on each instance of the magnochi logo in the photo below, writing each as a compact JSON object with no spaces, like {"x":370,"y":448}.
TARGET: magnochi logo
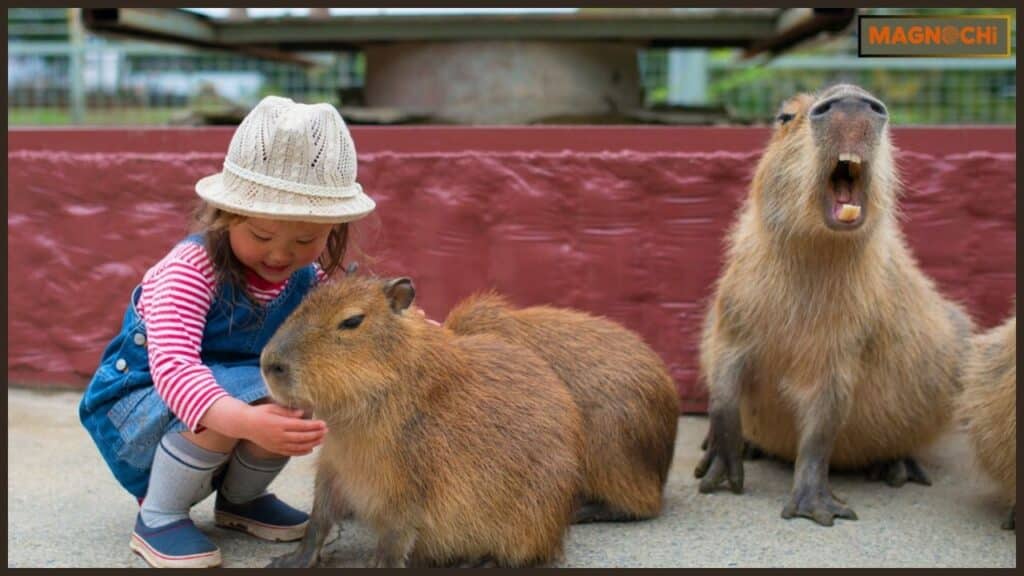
{"x":965,"y":36}
{"x":933,"y":35}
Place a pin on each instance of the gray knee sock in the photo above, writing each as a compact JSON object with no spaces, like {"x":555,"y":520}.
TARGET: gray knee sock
{"x":180,"y":478}
{"x":248,"y":476}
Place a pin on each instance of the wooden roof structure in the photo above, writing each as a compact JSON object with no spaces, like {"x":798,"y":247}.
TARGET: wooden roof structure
{"x":757,"y":30}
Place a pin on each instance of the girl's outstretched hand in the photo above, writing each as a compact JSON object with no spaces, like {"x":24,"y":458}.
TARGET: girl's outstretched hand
{"x":283,"y":430}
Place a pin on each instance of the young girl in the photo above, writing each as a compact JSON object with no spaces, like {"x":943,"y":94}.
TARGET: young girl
{"x":178,"y":407}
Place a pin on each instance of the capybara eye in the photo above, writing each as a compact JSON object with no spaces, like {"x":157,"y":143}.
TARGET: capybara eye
{"x":785,"y":117}
{"x":351,"y":322}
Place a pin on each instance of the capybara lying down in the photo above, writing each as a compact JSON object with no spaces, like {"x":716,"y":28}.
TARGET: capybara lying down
{"x":628,"y":401}
{"x":989,"y":406}
{"x":453,"y":449}
{"x":825,"y":344}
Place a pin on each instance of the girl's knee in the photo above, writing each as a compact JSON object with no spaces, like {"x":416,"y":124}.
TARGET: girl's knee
{"x":211,"y":440}
{"x":258,"y":451}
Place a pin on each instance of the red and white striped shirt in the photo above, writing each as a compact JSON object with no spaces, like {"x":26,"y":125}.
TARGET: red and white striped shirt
{"x":177,"y":293}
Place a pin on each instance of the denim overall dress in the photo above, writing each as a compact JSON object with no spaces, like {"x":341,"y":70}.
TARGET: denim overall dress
{"x":121,"y":408}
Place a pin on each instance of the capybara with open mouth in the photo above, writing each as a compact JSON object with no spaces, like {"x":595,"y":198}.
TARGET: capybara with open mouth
{"x":627,"y":399}
{"x":825,"y":344}
{"x":989,"y":407}
{"x":453,"y":449}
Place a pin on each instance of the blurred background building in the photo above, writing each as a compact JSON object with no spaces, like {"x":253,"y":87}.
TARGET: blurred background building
{"x":473,"y":66}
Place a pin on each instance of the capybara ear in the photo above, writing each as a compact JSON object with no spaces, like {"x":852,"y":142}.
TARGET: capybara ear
{"x":351,"y":268}
{"x":400,"y":293}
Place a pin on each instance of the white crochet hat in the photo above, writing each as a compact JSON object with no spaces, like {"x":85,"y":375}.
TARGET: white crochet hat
{"x":289,"y":161}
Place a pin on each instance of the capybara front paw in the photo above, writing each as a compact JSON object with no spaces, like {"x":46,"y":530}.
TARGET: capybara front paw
{"x":721,"y":463}
{"x":898,"y":472}
{"x":818,"y":505}
{"x":1011,"y":521}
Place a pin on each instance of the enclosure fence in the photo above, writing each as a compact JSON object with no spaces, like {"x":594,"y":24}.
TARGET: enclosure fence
{"x":154,"y":84}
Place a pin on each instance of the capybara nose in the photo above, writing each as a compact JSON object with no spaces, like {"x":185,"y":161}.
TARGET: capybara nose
{"x":849,"y":104}
{"x":277,"y":369}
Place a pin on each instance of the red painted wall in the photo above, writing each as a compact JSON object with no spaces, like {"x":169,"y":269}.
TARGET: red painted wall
{"x":622,"y":221}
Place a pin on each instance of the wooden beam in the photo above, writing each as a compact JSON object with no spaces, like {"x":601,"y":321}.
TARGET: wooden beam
{"x":179,"y":26}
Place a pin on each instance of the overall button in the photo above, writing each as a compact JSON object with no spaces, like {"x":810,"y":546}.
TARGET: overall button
{"x":139,"y":338}
{"x":121,"y":365}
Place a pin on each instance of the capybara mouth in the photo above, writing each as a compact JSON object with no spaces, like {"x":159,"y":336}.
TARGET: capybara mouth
{"x":845,"y":207}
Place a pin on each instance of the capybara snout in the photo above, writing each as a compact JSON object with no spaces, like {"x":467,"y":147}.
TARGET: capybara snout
{"x":828,"y":169}
{"x":847,"y":124}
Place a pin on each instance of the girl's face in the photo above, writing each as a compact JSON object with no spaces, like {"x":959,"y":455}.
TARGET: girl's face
{"x":274,"y":249}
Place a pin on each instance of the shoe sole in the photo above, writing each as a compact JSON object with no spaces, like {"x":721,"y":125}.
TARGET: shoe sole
{"x":258,"y":529}
{"x":158,"y":560}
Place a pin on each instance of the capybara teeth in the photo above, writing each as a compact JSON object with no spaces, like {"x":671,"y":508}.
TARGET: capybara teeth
{"x":849,"y":212}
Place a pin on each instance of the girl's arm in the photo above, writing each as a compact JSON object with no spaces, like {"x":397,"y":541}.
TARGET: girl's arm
{"x":177,"y":295}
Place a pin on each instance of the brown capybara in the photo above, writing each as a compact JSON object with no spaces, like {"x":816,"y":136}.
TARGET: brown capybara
{"x":627,"y":399}
{"x":825,"y":344}
{"x":451,"y":448}
{"x":989,"y":407}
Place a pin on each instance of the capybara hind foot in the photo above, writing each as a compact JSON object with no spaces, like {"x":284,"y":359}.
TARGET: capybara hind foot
{"x":817,"y":503}
{"x":751,"y":451}
{"x":1011,"y":520}
{"x":723,"y":459}
{"x":602,"y":512}
{"x":898,"y":472}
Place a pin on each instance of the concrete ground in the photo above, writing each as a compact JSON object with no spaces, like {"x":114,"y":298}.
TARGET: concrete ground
{"x":65,"y":509}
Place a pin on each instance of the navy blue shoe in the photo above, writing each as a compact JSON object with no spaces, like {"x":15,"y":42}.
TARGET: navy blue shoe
{"x":264,"y":517}
{"x":177,"y":545}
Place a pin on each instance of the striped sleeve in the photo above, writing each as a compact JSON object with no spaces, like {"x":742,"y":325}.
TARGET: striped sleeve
{"x":176,"y":295}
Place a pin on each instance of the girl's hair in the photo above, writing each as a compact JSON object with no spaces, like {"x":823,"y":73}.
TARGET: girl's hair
{"x":213,"y":224}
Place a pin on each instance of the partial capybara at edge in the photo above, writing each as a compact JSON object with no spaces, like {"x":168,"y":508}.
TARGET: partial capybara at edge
{"x":451,"y":448}
{"x":825,"y":343}
{"x":989,"y":407}
{"x":627,"y":399}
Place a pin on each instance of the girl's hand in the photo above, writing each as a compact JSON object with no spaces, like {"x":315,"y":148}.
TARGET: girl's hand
{"x":283,"y":430}
{"x":420,"y":311}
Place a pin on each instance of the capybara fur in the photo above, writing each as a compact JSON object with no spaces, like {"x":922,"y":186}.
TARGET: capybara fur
{"x":451,"y":448}
{"x":825,"y":343}
{"x":627,"y":399}
{"x":989,"y":405}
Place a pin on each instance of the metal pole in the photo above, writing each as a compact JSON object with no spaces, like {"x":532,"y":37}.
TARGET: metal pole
{"x":76,"y":35}
{"x":687,"y":76}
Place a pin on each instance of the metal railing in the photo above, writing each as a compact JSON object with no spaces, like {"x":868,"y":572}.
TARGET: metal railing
{"x":141,"y":83}
{"x":916,"y":90}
